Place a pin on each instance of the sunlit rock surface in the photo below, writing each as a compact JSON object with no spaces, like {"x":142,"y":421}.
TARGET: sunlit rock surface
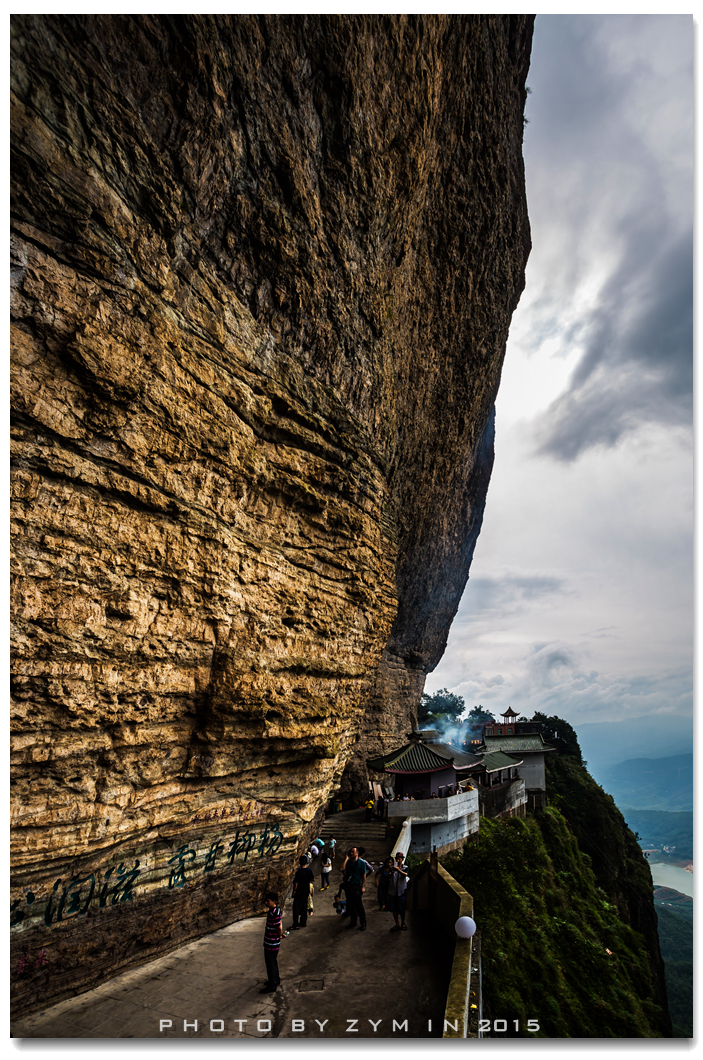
{"x":263,"y":272}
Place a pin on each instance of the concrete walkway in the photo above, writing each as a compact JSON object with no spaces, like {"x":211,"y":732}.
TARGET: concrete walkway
{"x":331,"y":975}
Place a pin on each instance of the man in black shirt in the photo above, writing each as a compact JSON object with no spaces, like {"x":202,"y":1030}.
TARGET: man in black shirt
{"x":301,"y":889}
{"x":355,"y":871}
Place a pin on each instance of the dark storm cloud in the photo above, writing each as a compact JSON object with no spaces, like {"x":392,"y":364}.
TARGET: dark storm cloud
{"x":638,"y":362}
{"x":609,"y":161}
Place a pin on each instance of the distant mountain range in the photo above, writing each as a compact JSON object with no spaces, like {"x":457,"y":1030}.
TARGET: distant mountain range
{"x":605,"y":744}
{"x":650,"y":783}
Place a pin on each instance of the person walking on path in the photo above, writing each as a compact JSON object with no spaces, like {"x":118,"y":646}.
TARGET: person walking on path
{"x":355,"y":871}
{"x":301,"y":892}
{"x":325,"y":870}
{"x":273,"y":934}
{"x":333,"y":847}
{"x":397,"y":887}
{"x":369,"y":808}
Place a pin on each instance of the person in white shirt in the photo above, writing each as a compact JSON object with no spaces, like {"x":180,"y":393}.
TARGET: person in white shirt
{"x":325,"y":870}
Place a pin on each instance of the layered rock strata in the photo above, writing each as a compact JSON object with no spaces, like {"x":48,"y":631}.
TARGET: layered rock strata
{"x":263,"y":272}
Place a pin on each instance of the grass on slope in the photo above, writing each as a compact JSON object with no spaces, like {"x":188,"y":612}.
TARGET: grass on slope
{"x":554,"y":949}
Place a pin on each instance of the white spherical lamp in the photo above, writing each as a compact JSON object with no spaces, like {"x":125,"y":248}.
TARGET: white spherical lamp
{"x":465,"y":927}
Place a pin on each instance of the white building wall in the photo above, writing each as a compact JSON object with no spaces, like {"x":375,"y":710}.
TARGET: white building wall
{"x":532,"y":771}
{"x":436,"y":810}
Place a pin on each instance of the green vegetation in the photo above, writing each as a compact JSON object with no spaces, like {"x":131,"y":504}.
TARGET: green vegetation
{"x":558,"y":733}
{"x":547,"y":929}
{"x":676,"y":941}
{"x":601,"y":832}
{"x":657,"y":828}
{"x":564,"y":903}
{"x":477,"y":717}
{"x":442,"y":706}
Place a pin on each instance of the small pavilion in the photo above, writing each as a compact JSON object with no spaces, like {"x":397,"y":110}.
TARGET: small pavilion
{"x":506,"y":727}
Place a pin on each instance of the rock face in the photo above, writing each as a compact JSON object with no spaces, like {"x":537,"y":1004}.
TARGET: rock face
{"x":263,"y":273}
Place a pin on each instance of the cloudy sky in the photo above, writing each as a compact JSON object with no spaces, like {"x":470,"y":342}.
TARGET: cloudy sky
{"x":580,"y":600}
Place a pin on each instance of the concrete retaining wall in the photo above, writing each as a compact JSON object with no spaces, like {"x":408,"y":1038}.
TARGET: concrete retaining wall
{"x":436,"y":810}
{"x":435,"y":891}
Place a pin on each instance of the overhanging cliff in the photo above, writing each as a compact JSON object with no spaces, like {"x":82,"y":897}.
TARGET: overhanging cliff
{"x":263,"y":273}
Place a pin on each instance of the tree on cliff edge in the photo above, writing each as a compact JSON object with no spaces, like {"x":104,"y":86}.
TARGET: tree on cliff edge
{"x":478,"y":717}
{"x":441,"y":706}
{"x":558,"y":732}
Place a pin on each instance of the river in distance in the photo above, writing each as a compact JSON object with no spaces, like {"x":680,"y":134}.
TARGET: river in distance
{"x":664,"y":875}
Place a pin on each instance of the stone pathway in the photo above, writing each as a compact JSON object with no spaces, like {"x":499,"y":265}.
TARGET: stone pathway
{"x":210,"y":988}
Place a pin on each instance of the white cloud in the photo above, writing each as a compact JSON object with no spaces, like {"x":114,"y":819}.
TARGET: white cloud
{"x":580,"y":598}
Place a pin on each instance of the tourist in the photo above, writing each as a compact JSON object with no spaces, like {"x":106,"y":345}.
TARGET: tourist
{"x":397,"y":887}
{"x":273,"y":934}
{"x":314,"y":850}
{"x":383,"y":876}
{"x":325,"y":870}
{"x":369,"y":808}
{"x":301,"y":892}
{"x":355,"y":872}
{"x":361,"y":851}
{"x":333,"y":847}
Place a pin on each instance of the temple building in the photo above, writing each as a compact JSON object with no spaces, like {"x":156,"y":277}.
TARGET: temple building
{"x":528,"y":746}
{"x":434,"y":794}
{"x":501,"y":789}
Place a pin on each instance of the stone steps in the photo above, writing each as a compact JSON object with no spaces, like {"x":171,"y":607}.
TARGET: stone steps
{"x":351,"y":829}
{"x":369,"y":832}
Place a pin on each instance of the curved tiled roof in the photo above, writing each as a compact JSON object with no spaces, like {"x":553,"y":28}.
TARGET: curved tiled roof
{"x":413,"y":758}
{"x":498,"y":760}
{"x":419,"y":757}
{"x":527,"y":744}
{"x":462,"y":759}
